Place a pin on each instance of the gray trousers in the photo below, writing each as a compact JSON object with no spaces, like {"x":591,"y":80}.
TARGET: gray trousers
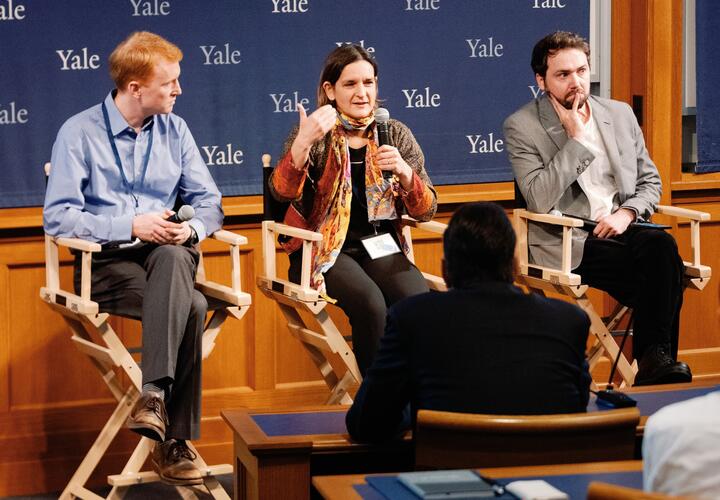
{"x":156,"y":285}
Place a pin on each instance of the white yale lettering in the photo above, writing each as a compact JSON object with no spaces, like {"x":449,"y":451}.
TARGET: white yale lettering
{"x":214,"y":55}
{"x":12,"y":115}
{"x":548,"y":4}
{"x":421,"y":100}
{"x":10,"y":12}
{"x":288,"y":104}
{"x":479,"y":144}
{"x":289,"y":6}
{"x":150,"y":7}
{"x":78,"y":61}
{"x":361,"y":43}
{"x":226,"y":156}
{"x":422,"y":4}
{"x":535,"y":91}
{"x":478,"y":48}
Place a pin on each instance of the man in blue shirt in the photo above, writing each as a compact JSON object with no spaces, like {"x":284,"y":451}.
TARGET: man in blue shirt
{"x":118,"y":169}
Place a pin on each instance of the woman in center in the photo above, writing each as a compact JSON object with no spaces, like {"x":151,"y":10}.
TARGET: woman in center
{"x":331,"y":171}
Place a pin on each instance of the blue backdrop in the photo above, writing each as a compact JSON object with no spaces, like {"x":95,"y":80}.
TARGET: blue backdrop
{"x":452,"y":70}
{"x":707,"y":40}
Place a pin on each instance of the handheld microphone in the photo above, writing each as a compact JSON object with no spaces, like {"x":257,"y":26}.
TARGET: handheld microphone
{"x":186,"y":212}
{"x":382,"y":116}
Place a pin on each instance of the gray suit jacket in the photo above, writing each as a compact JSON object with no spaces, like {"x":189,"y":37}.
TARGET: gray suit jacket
{"x":546,"y":164}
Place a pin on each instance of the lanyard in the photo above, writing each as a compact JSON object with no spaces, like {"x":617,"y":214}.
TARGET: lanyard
{"x":118,"y":162}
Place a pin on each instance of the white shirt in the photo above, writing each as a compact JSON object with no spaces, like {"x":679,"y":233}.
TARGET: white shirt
{"x":681,"y":448}
{"x":597,"y":180}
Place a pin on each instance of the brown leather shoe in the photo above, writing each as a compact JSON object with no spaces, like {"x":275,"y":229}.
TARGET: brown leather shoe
{"x":149,"y":417}
{"x":173,"y":461}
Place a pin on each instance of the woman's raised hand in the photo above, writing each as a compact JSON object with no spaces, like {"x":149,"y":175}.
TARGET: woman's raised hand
{"x":312,"y":129}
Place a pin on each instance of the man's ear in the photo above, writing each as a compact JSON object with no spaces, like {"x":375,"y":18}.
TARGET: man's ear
{"x":445,"y":274}
{"x":540,"y":81}
{"x":133,"y":88}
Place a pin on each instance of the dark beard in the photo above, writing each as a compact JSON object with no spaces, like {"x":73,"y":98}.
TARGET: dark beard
{"x":568,"y":104}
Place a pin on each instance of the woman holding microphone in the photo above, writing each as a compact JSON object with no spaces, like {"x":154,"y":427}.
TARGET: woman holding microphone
{"x":343,"y":184}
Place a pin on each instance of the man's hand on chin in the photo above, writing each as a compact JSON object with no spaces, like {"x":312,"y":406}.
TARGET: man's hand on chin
{"x":614,"y":224}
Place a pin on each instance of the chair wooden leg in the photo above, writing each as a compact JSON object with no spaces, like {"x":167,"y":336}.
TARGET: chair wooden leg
{"x":211,"y":483}
{"x":76,"y":485}
{"x":212,"y":329}
{"x":105,"y":358}
{"x":328,"y":340}
{"x":341,"y":346}
{"x":612,"y":351}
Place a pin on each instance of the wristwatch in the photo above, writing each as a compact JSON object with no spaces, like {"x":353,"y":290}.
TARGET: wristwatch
{"x":193,"y":239}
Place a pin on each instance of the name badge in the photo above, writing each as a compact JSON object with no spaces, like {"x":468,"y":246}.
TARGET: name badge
{"x":380,"y":245}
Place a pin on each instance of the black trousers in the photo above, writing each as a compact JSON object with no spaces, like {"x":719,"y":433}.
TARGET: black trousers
{"x":156,"y":285}
{"x":364,"y":288}
{"x":642,"y":269}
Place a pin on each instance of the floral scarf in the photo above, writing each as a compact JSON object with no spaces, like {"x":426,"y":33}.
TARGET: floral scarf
{"x":330,"y":214}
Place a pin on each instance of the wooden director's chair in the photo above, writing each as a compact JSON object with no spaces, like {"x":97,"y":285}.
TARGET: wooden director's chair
{"x":304,"y":308}
{"x":94,"y":336}
{"x":563,"y":281}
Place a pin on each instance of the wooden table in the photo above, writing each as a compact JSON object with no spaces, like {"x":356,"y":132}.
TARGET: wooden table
{"x":345,"y":487}
{"x":278,"y":451}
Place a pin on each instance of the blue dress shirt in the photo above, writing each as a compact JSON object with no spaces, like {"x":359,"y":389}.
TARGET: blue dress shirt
{"x":87,"y":196}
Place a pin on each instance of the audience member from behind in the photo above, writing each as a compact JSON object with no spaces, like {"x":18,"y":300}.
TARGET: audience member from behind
{"x":482,"y":347}
{"x":681,"y":448}
{"x":339,"y":181}
{"x":117,"y":170}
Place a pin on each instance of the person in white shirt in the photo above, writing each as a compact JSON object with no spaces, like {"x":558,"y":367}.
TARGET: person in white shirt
{"x":681,"y":448}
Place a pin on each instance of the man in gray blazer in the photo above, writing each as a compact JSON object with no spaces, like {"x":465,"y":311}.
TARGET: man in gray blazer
{"x":581,"y":155}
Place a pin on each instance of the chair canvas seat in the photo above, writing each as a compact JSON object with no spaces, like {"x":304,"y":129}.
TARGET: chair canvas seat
{"x":93,"y":335}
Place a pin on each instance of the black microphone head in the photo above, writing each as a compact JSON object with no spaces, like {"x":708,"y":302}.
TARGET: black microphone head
{"x":382,"y":115}
{"x":186,"y":212}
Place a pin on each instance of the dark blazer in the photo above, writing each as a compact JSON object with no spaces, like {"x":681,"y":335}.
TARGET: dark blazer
{"x":486,"y":349}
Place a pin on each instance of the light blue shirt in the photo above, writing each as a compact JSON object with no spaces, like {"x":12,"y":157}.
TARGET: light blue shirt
{"x":86,"y":195}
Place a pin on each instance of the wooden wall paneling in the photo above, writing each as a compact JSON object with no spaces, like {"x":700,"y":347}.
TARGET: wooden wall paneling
{"x":44,"y":433}
{"x":700,"y":317}
{"x":664,"y":88}
{"x":5,"y":301}
{"x":44,"y":369}
{"x":264,"y":322}
{"x":619,"y":53}
{"x":230,"y":363}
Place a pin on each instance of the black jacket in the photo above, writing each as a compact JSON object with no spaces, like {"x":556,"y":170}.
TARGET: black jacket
{"x":486,"y":349}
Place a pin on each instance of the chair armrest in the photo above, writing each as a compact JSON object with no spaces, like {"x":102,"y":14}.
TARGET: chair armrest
{"x":557,"y":220}
{"x":429,"y":226}
{"x":234,"y":293}
{"x":522,"y":217}
{"x":269,"y":230}
{"x":683,"y":213}
{"x":295,"y":232}
{"x":78,"y":244}
{"x":229,"y":237}
{"x":52,"y":292}
{"x":697,"y":273}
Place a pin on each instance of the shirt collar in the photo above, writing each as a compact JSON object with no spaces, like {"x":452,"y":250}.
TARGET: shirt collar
{"x":118,"y":124}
